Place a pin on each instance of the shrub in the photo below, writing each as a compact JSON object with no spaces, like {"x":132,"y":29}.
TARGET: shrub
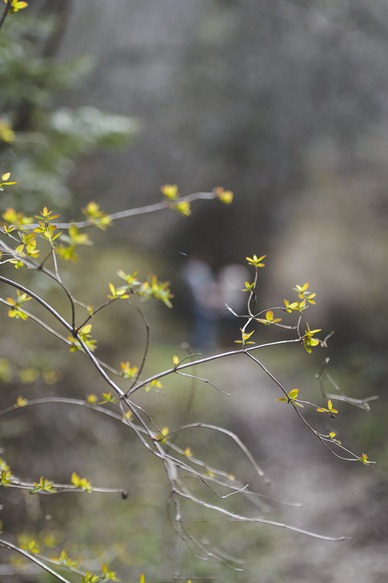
{"x":33,"y":253}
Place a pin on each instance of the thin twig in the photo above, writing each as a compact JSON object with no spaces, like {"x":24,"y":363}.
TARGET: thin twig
{"x":5,"y":12}
{"x":242,"y":518}
{"x":212,"y":358}
{"x":7,"y":545}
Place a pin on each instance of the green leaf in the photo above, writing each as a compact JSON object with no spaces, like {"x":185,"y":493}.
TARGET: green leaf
{"x":170,"y":191}
{"x":256,"y":261}
{"x":292,"y":397}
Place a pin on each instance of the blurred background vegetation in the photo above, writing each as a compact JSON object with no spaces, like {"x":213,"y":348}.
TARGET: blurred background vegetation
{"x":282,"y":102}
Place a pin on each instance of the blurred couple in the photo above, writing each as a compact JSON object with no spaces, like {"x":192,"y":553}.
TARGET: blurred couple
{"x":208,"y":293}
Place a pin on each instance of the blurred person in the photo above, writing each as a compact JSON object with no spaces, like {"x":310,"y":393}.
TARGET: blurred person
{"x":206,"y":302}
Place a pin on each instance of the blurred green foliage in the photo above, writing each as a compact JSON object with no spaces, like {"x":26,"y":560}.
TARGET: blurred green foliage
{"x":40,"y":140}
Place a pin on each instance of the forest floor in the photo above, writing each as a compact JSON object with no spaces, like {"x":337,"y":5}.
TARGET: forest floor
{"x":338,"y":498}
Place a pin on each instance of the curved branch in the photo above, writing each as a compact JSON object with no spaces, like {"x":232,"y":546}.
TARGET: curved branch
{"x":34,"y":265}
{"x":184,"y":493}
{"x":234,"y":437}
{"x":144,"y":210}
{"x":180,"y":367}
{"x":38,"y":299}
{"x":7,"y":545}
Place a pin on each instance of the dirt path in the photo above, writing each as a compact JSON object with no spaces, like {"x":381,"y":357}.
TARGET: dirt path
{"x":339,"y":499}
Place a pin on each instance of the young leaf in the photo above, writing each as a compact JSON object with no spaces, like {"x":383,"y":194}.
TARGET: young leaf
{"x":364,"y":460}
{"x":269,"y":318}
{"x":225,"y":196}
{"x":292,"y":397}
{"x":21,"y":402}
{"x":330,"y":409}
{"x":245,"y":338}
{"x":91,"y":399}
{"x":170,"y":191}
{"x":256,"y":261}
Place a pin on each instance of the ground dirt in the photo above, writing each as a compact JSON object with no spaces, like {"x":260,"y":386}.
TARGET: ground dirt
{"x":339,"y":498}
